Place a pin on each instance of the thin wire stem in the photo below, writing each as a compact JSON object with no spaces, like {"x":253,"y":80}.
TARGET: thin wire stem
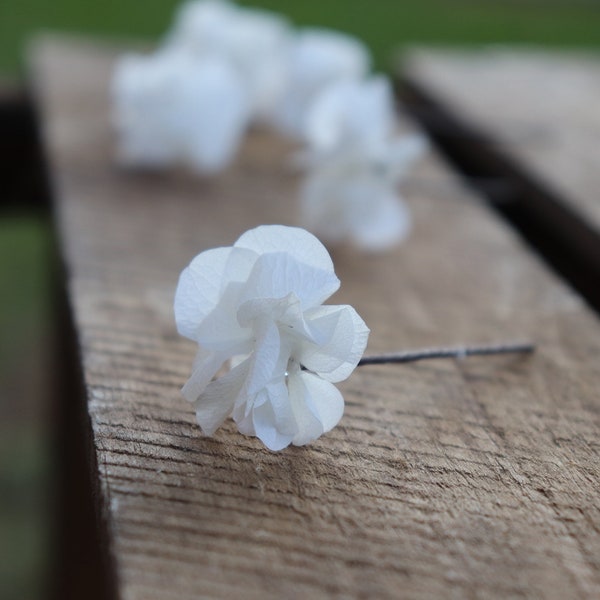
{"x":458,"y":352}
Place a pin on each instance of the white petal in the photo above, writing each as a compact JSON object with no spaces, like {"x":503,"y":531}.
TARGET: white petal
{"x":202,"y":283}
{"x":265,"y":423}
{"x":140,"y":104}
{"x":325,"y":55}
{"x":244,"y":420}
{"x":351,"y":112}
{"x":257,"y":44}
{"x":217,"y":401}
{"x":206,"y":366}
{"x":279,"y":399}
{"x":297,"y":242}
{"x":403,"y":152}
{"x":386,"y":224}
{"x":345,"y":337}
{"x":322,"y":399}
{"x":220,"y":330}
{"x":264,"y":359}
{"x":308,"y":423}
{"x":200,"y":25}
{"x":318,"y":58}
{"x":199,"y":289}
{"x":278,"y":275}
{"x":218,"y":110}
{"x":266,"y":308}
{"x":324,"y":211}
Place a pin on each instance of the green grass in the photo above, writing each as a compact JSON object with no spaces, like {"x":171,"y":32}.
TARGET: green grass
{"x":24,"y":283}
{"x":25,"y":246}
{"x":25,"y":467}
{"x":383,"y":24}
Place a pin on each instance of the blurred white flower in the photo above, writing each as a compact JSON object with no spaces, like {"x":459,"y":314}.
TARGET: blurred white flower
{"x":258,"y":305}
{"x":317,"y":59}
{"x":199,"y":25}
{"x":352,"y":196}
{"x":254,"y":41}
{"x":170,"y":108}
{"x":356,"y":112}
{"x":355,"y":161}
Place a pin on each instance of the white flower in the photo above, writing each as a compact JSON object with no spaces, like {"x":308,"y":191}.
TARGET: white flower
{"x":200,"y":24}
{"x":349,"y":199}
{"x":170,"y":108}
{"x":318,"y":58}
{"x":351,"y":113}
{"x":255,"y":42}
{"x":352,"y":195}
{"x":259,"y":303}
{"x":355,"y":161}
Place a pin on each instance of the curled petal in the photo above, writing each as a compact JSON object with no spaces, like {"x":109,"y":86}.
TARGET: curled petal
{"x":263,"y":360}
{"x":345,"y":338}
{"x":218,"y":399}
{"x":202,"y":283}
{"x":268,"y":308}
{"x":206,"y":366}
{"x":222,"y":333}
{"x":275,"y":275}
{"x":308,"y":423}
{"x":273,"y":418}
{"x":298,"y":243}
{"x":199,"y":289}
{"x":318,"y":406}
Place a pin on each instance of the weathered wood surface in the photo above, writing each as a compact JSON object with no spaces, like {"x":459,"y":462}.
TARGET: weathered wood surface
{"x":445,"y":479}
{"x":539,"y":109}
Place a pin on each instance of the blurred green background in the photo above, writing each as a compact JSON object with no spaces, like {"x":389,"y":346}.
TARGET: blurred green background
{"x":383,"y":24}
{"x":25,"y":255}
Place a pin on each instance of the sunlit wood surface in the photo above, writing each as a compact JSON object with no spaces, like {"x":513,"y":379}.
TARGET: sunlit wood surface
{"x":463,"y":479}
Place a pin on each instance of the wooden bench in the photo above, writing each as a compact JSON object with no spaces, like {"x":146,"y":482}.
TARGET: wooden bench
{"x":475,"y":478}
{"x":531,"y":119}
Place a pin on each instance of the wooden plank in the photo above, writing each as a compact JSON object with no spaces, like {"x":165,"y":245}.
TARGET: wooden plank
{"x":535,"y":114}
{"x":464,"y":479}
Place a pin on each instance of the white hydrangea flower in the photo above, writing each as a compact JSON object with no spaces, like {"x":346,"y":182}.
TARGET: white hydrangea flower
{"x":317,"y":59}
{"x":200,"y":24}
{"x":258,"y":305}
{"x":254,"y":41}
{"x":355,"y":161}
{"x":356,"y":113}
{"x":170,"y":108}
{"x":352,"y":195}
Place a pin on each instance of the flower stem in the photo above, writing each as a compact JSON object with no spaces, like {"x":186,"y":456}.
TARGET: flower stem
{"x":459,"y":352}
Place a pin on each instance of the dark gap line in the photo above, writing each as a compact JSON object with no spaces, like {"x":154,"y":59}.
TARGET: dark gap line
{"x":24,"y":176}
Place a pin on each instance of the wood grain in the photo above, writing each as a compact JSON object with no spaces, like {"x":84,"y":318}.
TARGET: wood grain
{"x":538,"y":111}
{"x":473,"y":479}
